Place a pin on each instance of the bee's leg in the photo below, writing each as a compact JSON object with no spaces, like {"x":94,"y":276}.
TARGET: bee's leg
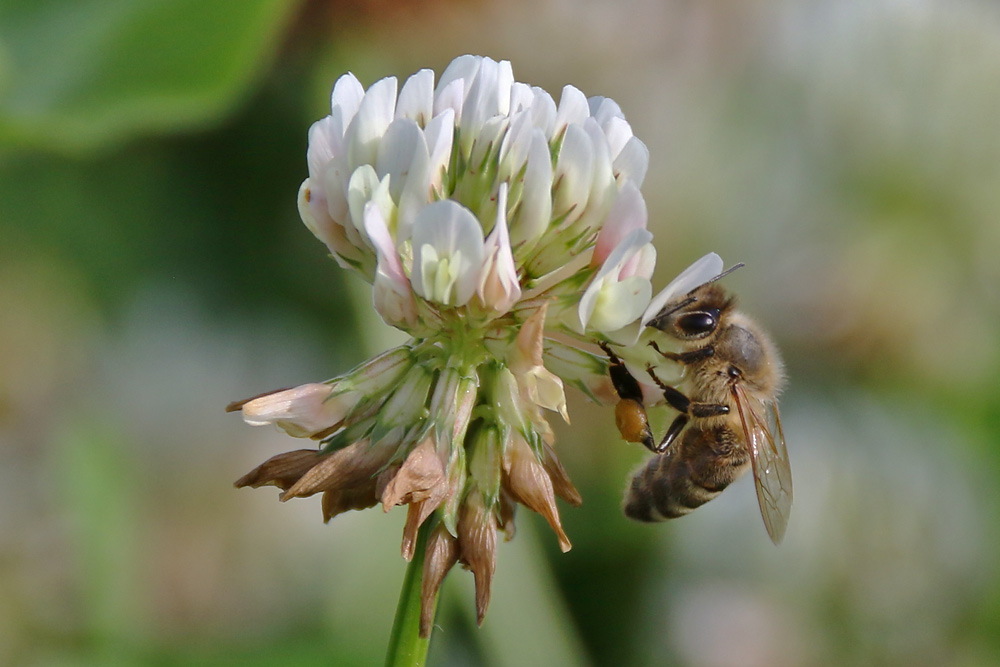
{"x":675,"y":429}
{"x":626,"y":386}
{"x":691,"y":357}
{"x":708,"y":410}
{"x":607,"y":350}
{"x":685,"y":405}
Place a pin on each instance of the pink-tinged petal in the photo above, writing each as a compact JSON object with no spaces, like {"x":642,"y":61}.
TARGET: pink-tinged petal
{"x":301,"y":412}
{"x":392,"y":294}
{"x":627,"y":214}
{"x":416,"y":98}
{"x":611,"y":302}
{"x":499,"y":288}
{"x":328,"y":231}
{"x":641,"y":264}
{"x":700,"y":272}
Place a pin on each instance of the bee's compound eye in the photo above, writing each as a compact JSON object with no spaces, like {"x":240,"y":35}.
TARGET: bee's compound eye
{"x":693,"y":325}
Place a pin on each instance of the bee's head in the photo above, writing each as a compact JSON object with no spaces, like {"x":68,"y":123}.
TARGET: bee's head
{"x":695,"y":317}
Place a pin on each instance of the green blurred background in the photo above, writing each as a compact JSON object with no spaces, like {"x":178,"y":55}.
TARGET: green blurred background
{"x":153,"y":268}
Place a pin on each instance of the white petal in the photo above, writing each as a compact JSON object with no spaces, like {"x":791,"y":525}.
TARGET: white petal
{"x":439,"y":135}
{"x":490,"y":136}
{"x":703,"y":270}
{"x":543,"y":112}
{"x":573,"y":109}
{"x":535,"y":211}
{"x":302,"y":411}
{"x":620,"y":303}
{"x":463,"y":67}
{"x":347,"y":95}
{"x":482,"y":102}
{"x":447,"y":253}
{"x":416,"y":191}
{"x":416,"y":98}
{"x":360,"y":190}
{"x":603,"y":188}
{"x":450,"y":97}
{"x":632,"y":162}
{"x":373,"y":117}
{"x":515,"y":146}
{"x":618,"y":132}
{"x":574,"y":174}
{"x":402,"y":141}
{"x":322,"y":142}
{"x":604,"y":109}
{"x":333,"y":183}
{"x":521,"y":97}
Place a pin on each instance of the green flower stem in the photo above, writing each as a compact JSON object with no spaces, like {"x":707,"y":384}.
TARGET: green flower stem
{"x":406,"y":647}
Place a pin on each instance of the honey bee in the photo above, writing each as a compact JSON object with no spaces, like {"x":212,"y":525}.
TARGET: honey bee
{"x":728,"y":421}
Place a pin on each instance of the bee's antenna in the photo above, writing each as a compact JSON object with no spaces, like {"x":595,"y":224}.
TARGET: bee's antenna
{"x":670,"y":311}
{"x":691,"y":299}
{"x":722,"y":275}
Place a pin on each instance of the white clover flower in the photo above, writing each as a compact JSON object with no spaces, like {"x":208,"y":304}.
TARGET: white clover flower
{"x":506,"y":234}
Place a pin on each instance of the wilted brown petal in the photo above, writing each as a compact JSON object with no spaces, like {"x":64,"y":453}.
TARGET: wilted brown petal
{"x":506,"y":508}
{"x":419,"y":478}
{"x":338,"y":501}
{"x":384,"y":477}
{"x":282,"y":470}
{"x":528,"y":482}
{"x":441,"y":556}
{"x":416,"y":514}
{"x":236,"y":406}
{"x":477,"y":542}
{"x":351,"y":466}
{"x":561,"y":482}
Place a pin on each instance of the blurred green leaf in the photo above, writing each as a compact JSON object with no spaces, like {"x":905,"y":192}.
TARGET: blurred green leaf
{"x":77,"y":76}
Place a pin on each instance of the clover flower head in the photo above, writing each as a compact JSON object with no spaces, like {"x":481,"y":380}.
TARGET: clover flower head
{"x":505,"y":233}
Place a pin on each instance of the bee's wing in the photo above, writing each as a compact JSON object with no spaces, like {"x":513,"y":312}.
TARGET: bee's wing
{"x":772,"y":473}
